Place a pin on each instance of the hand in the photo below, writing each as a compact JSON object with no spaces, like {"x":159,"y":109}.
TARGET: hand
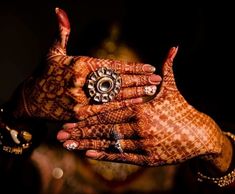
{"x":165,"y":130}
{"x":57,"y":92}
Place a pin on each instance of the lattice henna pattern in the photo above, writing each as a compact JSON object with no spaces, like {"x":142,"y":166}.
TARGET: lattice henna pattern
{"x":162,"y":131}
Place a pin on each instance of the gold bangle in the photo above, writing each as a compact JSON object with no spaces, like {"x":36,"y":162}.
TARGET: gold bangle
{"x":14,"y":141}
{"x":220,"y":181}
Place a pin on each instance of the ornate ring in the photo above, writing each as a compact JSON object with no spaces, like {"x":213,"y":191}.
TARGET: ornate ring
{"x":103,"y":84}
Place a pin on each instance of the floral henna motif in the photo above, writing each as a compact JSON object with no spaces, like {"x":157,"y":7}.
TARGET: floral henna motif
{"x":58,"y":92}
{"x":165,"y":130}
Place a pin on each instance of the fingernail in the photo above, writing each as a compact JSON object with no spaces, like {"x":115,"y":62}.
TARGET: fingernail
{"x":150,"y":90}
{"x":148,"y":68}
{"x":62,"y":17}
{"x":70,"y":145}
{"x":57,"y":9}
{"x":69,"y":125}
{"x":62,"y":136}
{"x":137,"y":100}
{"x":92,"y":153}
{"x":172,"y":53}
{"x":154,"y":79}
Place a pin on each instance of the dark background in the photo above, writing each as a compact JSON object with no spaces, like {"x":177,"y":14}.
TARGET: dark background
{"x":204,"y":33}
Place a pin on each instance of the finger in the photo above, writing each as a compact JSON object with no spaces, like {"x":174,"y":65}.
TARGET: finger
{"x":168,"y":74}
{"x":122,"y":157}
{"x":59,"y":47}
{"x":135,"y":92}
{"x":94,"y":144}
{"x":140,"y":80}
{"x":86,"y":144}
{"x":119,"y":66}
{"x":91,"y":110}
{"x":109,"y":131}
{"x":123,"y":115}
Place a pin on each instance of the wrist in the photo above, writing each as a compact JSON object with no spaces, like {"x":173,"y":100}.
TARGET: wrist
{"x":219,"y":169}
{"x":217,"y":164}
{"x":13,"y":138}
{"x":17,"y":106}
{"x":17,"y":135}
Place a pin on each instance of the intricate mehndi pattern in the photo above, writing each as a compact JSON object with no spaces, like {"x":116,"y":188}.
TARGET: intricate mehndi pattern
{"x":58,"y":93}
{"x":162,"y":131}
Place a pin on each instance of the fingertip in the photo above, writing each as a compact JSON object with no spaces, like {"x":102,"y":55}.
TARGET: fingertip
{"x":63,"y":136}
{"x":172,"y":53}
{"x":155,"y":79}
{"x":150,"y":90}
{"x":62,"y":17}
{"x":147,"y":68}
{"x":57,"y":10}
{"x":137,"y":100}
{"x":70,"y":145}
{"x":92,"y":153}
{"x":69,"y":125}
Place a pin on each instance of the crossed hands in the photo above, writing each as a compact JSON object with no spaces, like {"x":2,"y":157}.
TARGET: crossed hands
{"x":165,"y":130}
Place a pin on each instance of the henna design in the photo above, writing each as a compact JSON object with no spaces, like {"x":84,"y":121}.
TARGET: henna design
{"x":109,"y":131}
{"x":57,"y":93}
{"x":168,"y":130}
{"x":126,"y":93}
{"x":83,"y":144}
{"x":137,"y":80}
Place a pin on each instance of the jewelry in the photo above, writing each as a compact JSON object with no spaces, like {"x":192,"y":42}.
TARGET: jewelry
{"x":117,"y":145}
{"x":103,"y":84}
{"x":72,"y":146}
{"x":12,"y":141}
{"x":150,"y":90}
{"x":114,"y":134}
{"x":220,"y":181}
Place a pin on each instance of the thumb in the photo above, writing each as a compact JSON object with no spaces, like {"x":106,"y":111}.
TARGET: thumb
{"x":64,"y":27}
{"x":59,"y":46}
{"x":168,"y":74}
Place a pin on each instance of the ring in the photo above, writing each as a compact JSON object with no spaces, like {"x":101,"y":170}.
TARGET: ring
{"x":103,"y":84}
{"x":117,"y":146}
{"x":114,"y":134}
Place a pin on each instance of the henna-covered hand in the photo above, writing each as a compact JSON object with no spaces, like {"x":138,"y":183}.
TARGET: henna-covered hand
{"x":165,"y":130}
{"x":57,"y":92}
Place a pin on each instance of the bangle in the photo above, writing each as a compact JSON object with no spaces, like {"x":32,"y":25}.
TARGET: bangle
{"x":220,"y":181}
{"x":13,"y":141}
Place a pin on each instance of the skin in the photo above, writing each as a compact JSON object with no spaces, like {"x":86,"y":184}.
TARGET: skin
{"x":165,"y":130}
{"x":57,"y":91}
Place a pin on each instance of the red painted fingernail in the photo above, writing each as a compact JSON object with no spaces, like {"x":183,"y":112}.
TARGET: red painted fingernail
{"x":62,"y":136}
{"x":70,"y":145}
{"x":92,"y":153}
{"x":154,"y":79}
{"x":62,"y":17}
{"x":137,"y":100}
{"x":172,"y":53}
{"x":148,"y":68}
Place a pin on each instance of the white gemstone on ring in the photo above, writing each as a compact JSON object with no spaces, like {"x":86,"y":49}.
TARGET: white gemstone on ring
{"x":150,"y":90}
{"x":72,"y":146}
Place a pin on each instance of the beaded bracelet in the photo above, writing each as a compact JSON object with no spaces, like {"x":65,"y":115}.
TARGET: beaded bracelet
{"x":220,"y":181}
{"x":14,"y":141}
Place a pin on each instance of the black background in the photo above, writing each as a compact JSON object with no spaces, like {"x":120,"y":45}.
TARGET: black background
{"x":204,"y":33}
